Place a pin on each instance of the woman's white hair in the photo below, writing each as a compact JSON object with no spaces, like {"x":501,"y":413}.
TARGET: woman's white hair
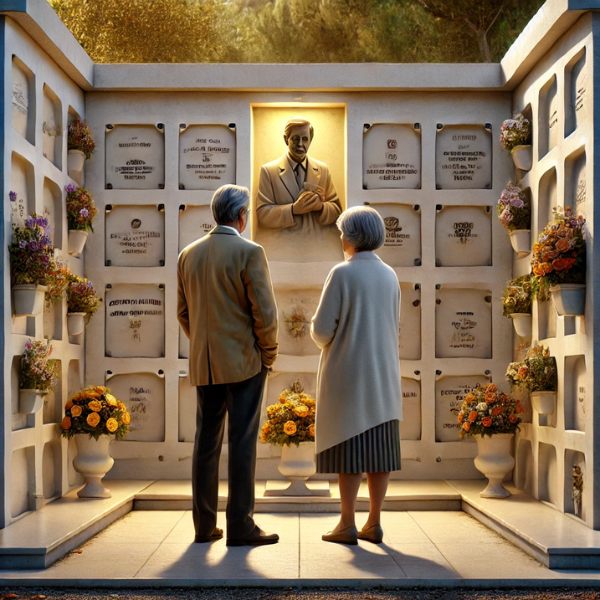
{"x":362,"y":227}
{"x":227,"y":203}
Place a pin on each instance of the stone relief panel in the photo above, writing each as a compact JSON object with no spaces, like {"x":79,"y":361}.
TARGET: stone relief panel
{"x":391,"y":156}
{"x":463,"y":236}
{"x":402,"y":246}
{"x":144,"y":396}
{"x":576,"y":183}
{"x":409,"y":336}
{"x":52,"y":128}
{"x":135,"y":157}
{"x":548,"y":117}
{"x":194,"y":223}
{"x":135,"y":320}
{"x":463,"y":323}
{"x":206,"y":156}
{"x":463,"y":157}
{"x":576,"y":92}
{"x":22,"y":89}
{"x":449,"y":394}
{"x":135,"y":236}
{"x":295,"y":311}
{"x":22,"y":183}
{"x":410,"y":427}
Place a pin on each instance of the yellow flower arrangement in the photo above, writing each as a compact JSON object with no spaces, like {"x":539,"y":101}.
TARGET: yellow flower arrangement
{"x":96,"y":412}
{"x":290,"y":428}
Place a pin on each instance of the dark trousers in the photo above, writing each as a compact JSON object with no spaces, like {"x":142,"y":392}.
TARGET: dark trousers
{"x":241,"y":402}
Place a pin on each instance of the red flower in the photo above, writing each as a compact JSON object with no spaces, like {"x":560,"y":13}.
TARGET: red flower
{"x":487,"y":421}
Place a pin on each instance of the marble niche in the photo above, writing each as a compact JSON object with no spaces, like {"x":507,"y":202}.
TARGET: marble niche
{"x":463,"y":323}
{"x":463,"y":236}
{"x":576,"y":182}
{"x":463,"y":157}
{"x":206,"y":156}
{"x":52,"y":127}
{"x":22,"y":183}
{"x":548,"y":117}
{"x":402,"y":246}
{"x":23,"y":99}
{"x":391,"y":156}
{"x":135,"y":157}
{"x":144,"y":396}
{"x":135,"y":320}
{"x":410,"y":427}
{"x":296,"y":308}
{"x":52,"y":199}
{"x":449,"y":394}
{"x":409,"y":335}
{"x":135,"y":236}
{"x":576,"y":83}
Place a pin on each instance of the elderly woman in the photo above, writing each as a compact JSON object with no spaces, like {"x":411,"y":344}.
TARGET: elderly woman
{"x":359,"y":400}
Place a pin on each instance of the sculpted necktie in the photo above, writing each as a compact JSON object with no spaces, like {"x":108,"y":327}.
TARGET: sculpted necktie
{"x":300,"y":174}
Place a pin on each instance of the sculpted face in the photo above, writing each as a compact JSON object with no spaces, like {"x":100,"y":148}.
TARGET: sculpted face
{"x":298,"y":142}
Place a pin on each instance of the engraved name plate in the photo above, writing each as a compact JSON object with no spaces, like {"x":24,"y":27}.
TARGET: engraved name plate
{"x":409,"y":336}
{"x":206,"y":157}
{"x":463,"y":236}
{"x":135,"y":320}
{"x":194,"y":223}
{"x":295,"y":311}
{"x":463,"y":157}
{"x":144,"y":396}
{"x":463,"y":323}
{"x":410,"y":427}
{"x":392,"y":156}
{"x":135,"y":236}
{"x":135,"y":157}
{"x":402,"y":246}
{"x":449,"y":394}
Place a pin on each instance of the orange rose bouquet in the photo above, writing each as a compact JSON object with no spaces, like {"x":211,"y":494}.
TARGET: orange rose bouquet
{"x":291,"y":420}
{"x":559,"y":254}
{"x":94,"y":410}
{"x":486,"y":410}
{"x":537,"y":373}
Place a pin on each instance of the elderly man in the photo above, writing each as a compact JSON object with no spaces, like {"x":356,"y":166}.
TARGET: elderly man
{"x":226,"y":307}
{"x":295,"y":192}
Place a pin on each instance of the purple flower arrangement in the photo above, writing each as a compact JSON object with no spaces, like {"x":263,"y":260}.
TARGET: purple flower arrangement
{"x":38,"y":371}
{"x":81,"y":209}
{"x":514,"y":208}
{"x":82,"y":297}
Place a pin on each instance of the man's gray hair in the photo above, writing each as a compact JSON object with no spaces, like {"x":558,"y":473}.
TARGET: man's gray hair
{"x":297,"y":122}
{"x":363,"y":227}
{"x":227,"y":203}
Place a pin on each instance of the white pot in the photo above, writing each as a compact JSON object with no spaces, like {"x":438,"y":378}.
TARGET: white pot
{"x":522,"y":157}
{"x":76,"y":323}
{"x":543,"y":402}
{"x":93,"y":461}
{"x":77,"y":239}
{"x":494,"y":460}
{"x":520,"y":240}
{"x":298,"y":463}
{"x":75,"y":162}
{"x":569,"y":299}
{"x":522,"y":324}
{"x":30,"y":401}
{"x":28,"y":299}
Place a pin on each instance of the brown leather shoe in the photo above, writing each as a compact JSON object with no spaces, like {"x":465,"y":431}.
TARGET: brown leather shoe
{"x":217,"y":534}
{"x":345,"y":536}
{"x":373,"y":534}
{"x":257,"y":537}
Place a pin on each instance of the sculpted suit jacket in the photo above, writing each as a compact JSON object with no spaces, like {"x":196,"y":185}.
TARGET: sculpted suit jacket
{"x":278,"y":190}
{"x":226,"y":306}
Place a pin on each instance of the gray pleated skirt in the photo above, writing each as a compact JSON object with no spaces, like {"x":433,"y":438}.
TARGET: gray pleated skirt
{"x":376,"y":450}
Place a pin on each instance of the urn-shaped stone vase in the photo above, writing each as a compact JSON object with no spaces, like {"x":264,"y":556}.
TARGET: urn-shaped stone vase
{"x":93,"y":461}
{"x":494,"y":460}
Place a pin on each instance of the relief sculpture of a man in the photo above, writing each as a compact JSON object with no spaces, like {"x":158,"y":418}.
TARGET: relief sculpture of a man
{"x":295,"y":192}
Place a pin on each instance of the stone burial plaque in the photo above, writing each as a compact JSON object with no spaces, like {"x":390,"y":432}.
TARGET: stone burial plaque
{"x":135,"y":320}
{"x":449,"y":394}
{"x":409,"y":336}
{"x":463,"y":157}
{"x":392,"y":156}
{"x":206,"y":156}
{"x":135,"y":157}
{"x":576,"y":182}
{"x":402,"y":246}
{"x":135,"y":236}
{"x":463,"y":323}
{"x":194,"y":223}
{"x":20,"y":98}
{"x":463,"y":236}
{"x":577,"y":93}
{"x":410,"y":427}
{"x":295,"y":310}
{"x":144,"y":396}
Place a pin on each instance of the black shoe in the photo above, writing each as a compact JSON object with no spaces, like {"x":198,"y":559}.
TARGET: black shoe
{"x":257,"y":537}
{"x":217,"y":534}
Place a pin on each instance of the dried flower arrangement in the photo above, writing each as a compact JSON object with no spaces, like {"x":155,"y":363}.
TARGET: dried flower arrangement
{"x":81,"y":209}
{"x":517,"y":296}
{"x":80,"y":138}
{"x":514,"y":208}
{"x":82,"y":297}
{"x":515,"y":132}
{"x":537,"y":373}
{"x":38,"y":371}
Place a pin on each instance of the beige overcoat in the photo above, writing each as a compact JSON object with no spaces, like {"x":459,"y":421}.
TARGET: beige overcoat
{"x":356,"y":327}
{"x":226,"y":306}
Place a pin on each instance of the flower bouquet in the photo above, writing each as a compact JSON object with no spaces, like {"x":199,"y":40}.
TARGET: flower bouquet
{"x":516,"y":302}
{"x":515,"y":135}
{"x":82,"y":302}
{"x":81,"y":145}
{"x":81,"y":211}
{"x":514,"y":212}
{"x":38,"y":375}
{"x":558,"y":263}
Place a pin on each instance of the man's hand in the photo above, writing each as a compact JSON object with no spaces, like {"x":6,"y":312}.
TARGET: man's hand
{"x":307,"y":202}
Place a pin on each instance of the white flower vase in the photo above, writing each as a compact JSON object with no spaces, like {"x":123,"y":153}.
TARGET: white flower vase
{"x":522,"y":324}
{"x":28,"y":299}
{"x":298,"y":463}
{"x":522,"y":157}
{"x":77,"y":240}
{"x":494,"y":460}
{"x":543,"y":402}
{"x":75,"y":162}
{"x":93,"y":461}
{"x":30,"y":401}
{"x":569,"y":299}
{"x":520,"y":240}
{"x":76,"y":323}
